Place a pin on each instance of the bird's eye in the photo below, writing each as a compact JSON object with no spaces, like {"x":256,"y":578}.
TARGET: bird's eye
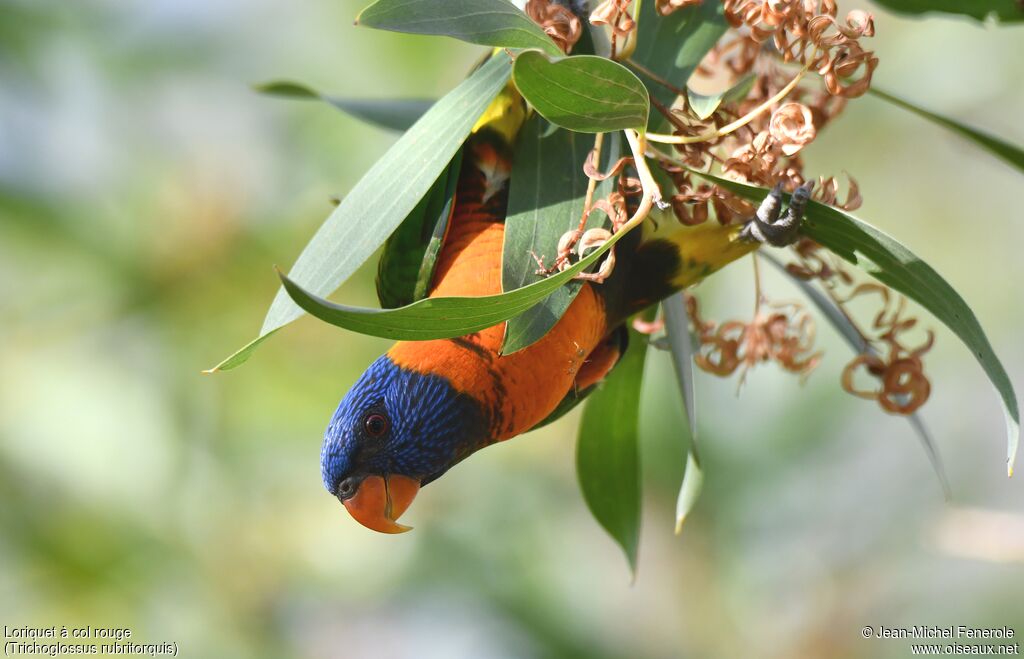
{"x":376,"y":425}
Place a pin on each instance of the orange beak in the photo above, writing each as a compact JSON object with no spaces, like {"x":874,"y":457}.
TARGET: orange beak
{"x":379,"y":502}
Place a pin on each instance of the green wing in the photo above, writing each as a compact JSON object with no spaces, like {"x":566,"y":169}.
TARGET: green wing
{"x":407,"y":264}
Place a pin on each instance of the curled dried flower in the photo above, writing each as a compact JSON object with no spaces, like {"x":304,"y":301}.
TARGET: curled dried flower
{"x":719,"y":350}
{"x":728,"y":207}
{"x":630,"y":187}
{"x":845,"y":65}
{"x":666,"y":7}
{"x":648,"y":327}
{"x":814,"y":262}
{"x":691,"y":204}
{"x":738,"y":53}
{"x":688,"y":212}
{"x":591,"y":170}
{"x":903,"y":385}
{"x":578,"y":241}
{"x":792,"y":126}
{"x":557,"y":21}
{"x":808,"y":32}
{"x":615,"y":14}
{"x":756,"y":161}
{"x":785,"y":335}
{"x":858,"y":24}
{"x":698,"y":156}
{"x":739,"y":138}
{"x":827,"y":192}
{"x":614,"y":206}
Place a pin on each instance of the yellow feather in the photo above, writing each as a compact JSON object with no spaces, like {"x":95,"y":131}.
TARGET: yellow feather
{"x":505,"y":115}
{"x":704,"y":249}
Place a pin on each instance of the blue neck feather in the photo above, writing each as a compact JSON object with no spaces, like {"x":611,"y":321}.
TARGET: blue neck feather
{"x":431,"y":426}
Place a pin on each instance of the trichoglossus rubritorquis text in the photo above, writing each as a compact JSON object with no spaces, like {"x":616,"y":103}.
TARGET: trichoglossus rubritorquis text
{"x":426,"y":405}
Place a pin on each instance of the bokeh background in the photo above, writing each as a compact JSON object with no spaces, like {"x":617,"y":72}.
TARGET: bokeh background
{"x":145,"y":193}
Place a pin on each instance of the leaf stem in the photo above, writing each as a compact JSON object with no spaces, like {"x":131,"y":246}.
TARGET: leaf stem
{"x":592,"y":183}
{"x":736,"y":125}
{"x":758,"y":295}
{"x":656,"y":78}
{"x":652,"y":193}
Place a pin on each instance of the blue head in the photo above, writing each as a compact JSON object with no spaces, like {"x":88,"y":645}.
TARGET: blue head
{"x":394,"y":431}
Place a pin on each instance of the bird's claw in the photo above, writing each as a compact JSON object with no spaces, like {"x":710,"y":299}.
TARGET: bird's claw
{"x":768,"y":227}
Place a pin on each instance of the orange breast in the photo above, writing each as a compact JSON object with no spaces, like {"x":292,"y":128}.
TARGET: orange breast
{"x":521,"y":389}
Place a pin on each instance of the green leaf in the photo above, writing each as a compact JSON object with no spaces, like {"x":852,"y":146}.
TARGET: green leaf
{"x":548,"y":190}
{"x":672,"y":46}
{"x":407,"y":263}
{"x":1001,"y":149}
{"x":842,"y":324}
{"x":680,"y":341}
{"x":693,"y":483}
{"x":608,"y":452}
{"x":387,"y":193}
{"x":894,"y":265}
{"x":705,"y":106}
{"x":1006,"y":11}
{"x":391,"y":113}
{"x":584,"y":93}
{"x":432,"y":251}
{"x":486,"y":22}
{"x":440,"y":317}
{"x":677,"y":330}
{"x":240,"y":356}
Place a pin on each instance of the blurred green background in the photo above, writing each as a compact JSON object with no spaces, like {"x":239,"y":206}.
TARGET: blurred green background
{"x":145,"y":193}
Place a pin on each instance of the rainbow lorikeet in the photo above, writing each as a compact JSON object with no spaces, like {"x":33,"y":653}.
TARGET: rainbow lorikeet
{"x":426,"y":405}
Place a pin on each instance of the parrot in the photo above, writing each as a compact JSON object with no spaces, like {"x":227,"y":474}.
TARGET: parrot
{"x":424,"y":406}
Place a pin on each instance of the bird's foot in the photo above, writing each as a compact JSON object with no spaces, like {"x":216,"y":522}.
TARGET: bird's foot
{"x":768,"y":227}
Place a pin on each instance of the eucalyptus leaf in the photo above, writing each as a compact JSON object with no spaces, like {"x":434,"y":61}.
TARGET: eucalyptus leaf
{"x":486,"y":22}
{"x":672,"y":46}
{"x":1000,"y":148}
{"x":677,"y":331}
{"x":546,"y":199}
{"x":384,"y":196}
{"x":440,"y":317}
{"x":584,"y":93}
{"x":894,"y":265}
{"x":844,"y":325}
{"x":680,"y":341}
{"x":1006,"y":11}
{"x":432,"y":251}
{"x":693,"y":483}
{"x":407,"y":263}
{"x":705,"y":106}
{"x":608,"y":452}
{"x":391,"y":113}
{"x":932,"y":451}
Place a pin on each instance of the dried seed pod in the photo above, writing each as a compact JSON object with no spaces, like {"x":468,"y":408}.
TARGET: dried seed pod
{"x":792,"y":127}
{"x":666,"y":7}
{"x":615,"y":14}
{"x":563,"y":26}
